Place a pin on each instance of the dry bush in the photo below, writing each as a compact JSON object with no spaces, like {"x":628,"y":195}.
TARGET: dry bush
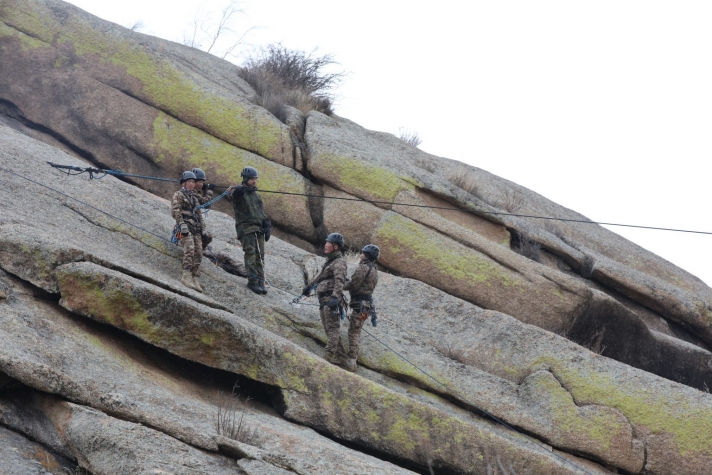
{"x":467,"y":180}
{"x":512,"y":201}
{"x":206,"y":29}
{"x":353,"y":255}
{"x":281,"y":76}
{"x":230,"y":420}
{"x":425,"y":164}
{"x":409,"y":136}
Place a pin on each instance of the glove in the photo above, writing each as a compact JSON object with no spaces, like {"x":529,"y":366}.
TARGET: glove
{"x":184,"y":229}
{"x":211,"y":187}
{"x":333,"y":303}
{"x":237,"y":191}
{"x":267,"y":228}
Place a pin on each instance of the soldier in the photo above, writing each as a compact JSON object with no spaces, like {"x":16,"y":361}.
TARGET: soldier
{"x":204,"y":193}
{"x":330,"y":284}
{"x":361,"y":287}
{"x":253,"y":227}
{"x":190,"y":225}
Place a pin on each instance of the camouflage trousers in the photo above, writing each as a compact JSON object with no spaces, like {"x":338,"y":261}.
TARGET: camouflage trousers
{"x":332,"y":326}
{"x":355,"y":326}
{"x":192,"y":252}
{"x":253,"y":245}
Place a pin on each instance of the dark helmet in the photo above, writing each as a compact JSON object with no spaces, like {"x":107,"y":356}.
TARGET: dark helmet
{"x":249,"y":172}
{"x":371,"y":251}
{"x":199,"y":174}
{"x":335,"y":238}
{"x":187,"y":176}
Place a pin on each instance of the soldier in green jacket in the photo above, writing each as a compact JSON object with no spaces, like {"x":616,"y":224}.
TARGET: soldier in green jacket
{"x":330,"y":284}
{"x":253,"y":227}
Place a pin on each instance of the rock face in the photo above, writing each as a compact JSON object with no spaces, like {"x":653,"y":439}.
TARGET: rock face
{"x":111,"y":365}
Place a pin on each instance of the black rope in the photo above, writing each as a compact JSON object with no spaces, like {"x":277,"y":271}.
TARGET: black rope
{"x":118,"y":173}
{"x":488,"y":414}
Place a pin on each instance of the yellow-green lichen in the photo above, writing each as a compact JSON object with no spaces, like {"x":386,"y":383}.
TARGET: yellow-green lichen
{"x":176,"y":141}
{"x":160,"y":83}
{"x":405,"y":238}
{"x":687,"y":420}
{"x":361,"y":178}
{"x":26,"y":42}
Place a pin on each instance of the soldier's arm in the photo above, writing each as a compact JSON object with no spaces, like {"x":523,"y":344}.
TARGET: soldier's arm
{"x":339,"y":269}
{"x":357,"y":278}
{"x":237,"y":193}
{"x":176,"y":207}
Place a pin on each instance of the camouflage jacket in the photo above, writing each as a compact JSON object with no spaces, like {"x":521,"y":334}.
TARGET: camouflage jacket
{"x":205,"y":195}
{"x":182,"y":209}
{"x":363,"y":281}
{"x":249,"y":210}
{"x":331,"y":279}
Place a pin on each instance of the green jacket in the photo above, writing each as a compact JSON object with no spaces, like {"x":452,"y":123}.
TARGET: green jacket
{"x":249,"y":210}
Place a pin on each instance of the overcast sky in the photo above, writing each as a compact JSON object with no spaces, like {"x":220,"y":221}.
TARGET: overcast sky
{"x":604,"y":107}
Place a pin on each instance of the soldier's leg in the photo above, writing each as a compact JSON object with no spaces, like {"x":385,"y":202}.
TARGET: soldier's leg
{"x":188,"y":245}
{"x":355,"y":326}
{"x":261,"y":256}
{"x":249,"y":247}
{"x":197,"y":257}
{"x":197,"y":254}
{"x":332,"y":325}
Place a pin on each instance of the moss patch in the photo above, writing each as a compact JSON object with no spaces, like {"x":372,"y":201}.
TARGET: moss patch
{"x":668,"y":412}
{"x":405,"y":238}
{"x":363,"y":179}
{"x":159,"y":82}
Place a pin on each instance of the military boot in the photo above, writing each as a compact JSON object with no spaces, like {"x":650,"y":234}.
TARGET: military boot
{"x":187,"y":279}
{"x":254,"y":286}
{"x":333,"y":358}
{"x":351,"y":365}
{"x":196,"y":284}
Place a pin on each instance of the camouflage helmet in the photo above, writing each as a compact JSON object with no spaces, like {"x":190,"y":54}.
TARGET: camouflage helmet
{"x":249,"y":172}
{"x":187,"y":175}
{"x":371,"y":251}
{"x":335,"y":238}
{"x":199,"y":174}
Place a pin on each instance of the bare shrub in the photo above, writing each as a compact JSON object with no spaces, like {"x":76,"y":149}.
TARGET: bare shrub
{"x":425,"y":164}
{"x":282,"y":76}
{"x":466,"y":180}
{"x":205,"y":29}
{"x":230,"y":420}
{"x":353,"y":255}
{"x":76,"y":471}
{"x":511,"y":200}
{"x":138,"y":26}
{"x":448,"y":351}
{"x":409,"y":136}
{"x":526,"y":246}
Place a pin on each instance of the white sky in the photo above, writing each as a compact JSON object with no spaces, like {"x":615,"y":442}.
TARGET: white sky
{"x":604,"y":107}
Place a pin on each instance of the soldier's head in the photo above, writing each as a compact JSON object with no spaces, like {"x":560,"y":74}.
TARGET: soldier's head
{"x":334,"y":242}
{"x":199,"y":178}
{"x":187,"y":180}
{"x":370,"y":252}
{"x":249,"y":176}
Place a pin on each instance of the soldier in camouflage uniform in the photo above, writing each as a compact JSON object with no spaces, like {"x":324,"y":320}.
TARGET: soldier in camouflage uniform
{"x":361,"y":287}
{"x":190,"y":224}
{"x":253,"y":227}
{"x":204,"y":193}
{"x":330,"y":284}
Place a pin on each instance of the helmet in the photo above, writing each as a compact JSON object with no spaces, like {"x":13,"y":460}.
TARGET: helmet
{"x":187,"y":176}
{"x":249,"y":172}
{"x":371,"y":251}
{"x":199,"y":174}
{"x":335,"y":238}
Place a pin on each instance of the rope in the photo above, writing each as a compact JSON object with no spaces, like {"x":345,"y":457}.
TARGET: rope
{"x":118,"y":173}
{"x":488,"y":414}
